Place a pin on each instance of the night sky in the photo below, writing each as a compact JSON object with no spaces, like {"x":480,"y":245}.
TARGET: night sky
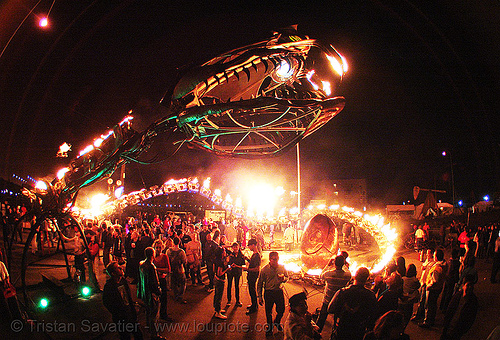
{"x":421,"y":80}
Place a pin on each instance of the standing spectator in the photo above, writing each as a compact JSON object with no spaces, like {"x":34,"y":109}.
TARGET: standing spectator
{"x":9,"y":306}
{"x":419,"y":239}
{"x":144,"y":241}
{"x":107,"y":242}
{"x":271,"y":235}
{"x":353,"y":309}
{"x":434,"y":286}
{"x":236,"y":261}
{"x":493,"y":234}
{"x":346,"y":233}
{"x":209,"y":254}
{"x":496,"y":261}
{"x":345,"y":255}
{"x":299,"y":324}
{"x":162,"y":264}
{"x":193,"y":255}
{"x":463,"y":238}
{"x":118,"y":301}
{"x":177,"y":258}
{"x":259,"y":236}
{"x":231,"y":233}
{"x":270,"y":282}
{"x":470,"y":251}
{"x":467,"y":270}
{"x":80,"y":256}
{"x":451,"y":280}
{"x":288,"y":237}
{"x":453,"y":234}
{"x":93,"y":249}
{"x":389,"y":298}
{"x":118,"y":247}
{"x":51,"y":232}
{"x":426,"y":267}
{"x":479,"y":239}
{"x":410,"y":293}
{"x":380,"y":285}
{"x":426,"y":228}
{"x":185,"y":238}
{"x":335,"y":279}
{"x":253,"y":270}
{"x":136,"y":255}
{"x":148,"y":289}
{"x":203,"y":239}
{"x":401,"y":264}
{"x":461,"y":312}
{"x":239,"y":235}
{"x":220,"y":267}
{"x":442,"y":234}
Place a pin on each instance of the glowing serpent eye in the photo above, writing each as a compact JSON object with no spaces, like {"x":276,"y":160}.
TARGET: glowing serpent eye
{"x":284,"y":71}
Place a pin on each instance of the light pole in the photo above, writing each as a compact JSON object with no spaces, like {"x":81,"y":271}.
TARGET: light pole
{"x":298,"y":185}
{"x":444,"y":153}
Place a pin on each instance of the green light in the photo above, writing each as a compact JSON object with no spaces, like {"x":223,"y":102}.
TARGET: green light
{"x":44,"y":303}
{"x":86,"y":291}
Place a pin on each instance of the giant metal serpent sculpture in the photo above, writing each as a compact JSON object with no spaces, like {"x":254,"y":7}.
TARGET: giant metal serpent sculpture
{"x":254,"y":101}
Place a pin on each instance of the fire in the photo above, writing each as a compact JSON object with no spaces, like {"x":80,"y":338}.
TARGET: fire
{"x":382,"y":233}
{"x":384,"y":236}
{"x":291,"y":262}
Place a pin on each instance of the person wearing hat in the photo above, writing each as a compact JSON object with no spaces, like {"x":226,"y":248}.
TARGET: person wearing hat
{"x":299,"y":324}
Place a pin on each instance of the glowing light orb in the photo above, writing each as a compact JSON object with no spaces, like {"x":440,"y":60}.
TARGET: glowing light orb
{"x":43,"y":22}
{"x":86,"y":291}
{"x":41,"y":185}
{"x":44,"y":303}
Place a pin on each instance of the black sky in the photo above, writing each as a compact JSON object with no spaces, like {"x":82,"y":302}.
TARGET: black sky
{"x":422,"y":79}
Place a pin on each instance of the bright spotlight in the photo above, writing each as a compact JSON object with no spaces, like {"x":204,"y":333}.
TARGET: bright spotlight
{"x":486,"y":198}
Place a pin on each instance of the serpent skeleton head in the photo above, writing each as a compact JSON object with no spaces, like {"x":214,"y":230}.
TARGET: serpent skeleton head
{"x":260,"y":99}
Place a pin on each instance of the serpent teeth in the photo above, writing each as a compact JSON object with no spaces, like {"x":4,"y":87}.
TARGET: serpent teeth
{"x":247,"y":72}
{"x":266,"y":64}
{"x":254,"y":66}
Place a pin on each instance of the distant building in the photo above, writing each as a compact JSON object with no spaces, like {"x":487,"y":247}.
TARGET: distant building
{"x":349,"y":192}
{"x":400,"y":211}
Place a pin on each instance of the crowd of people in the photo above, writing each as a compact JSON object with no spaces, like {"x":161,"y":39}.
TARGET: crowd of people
{"x":363,"y":304}
{"x":159,"y":255}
